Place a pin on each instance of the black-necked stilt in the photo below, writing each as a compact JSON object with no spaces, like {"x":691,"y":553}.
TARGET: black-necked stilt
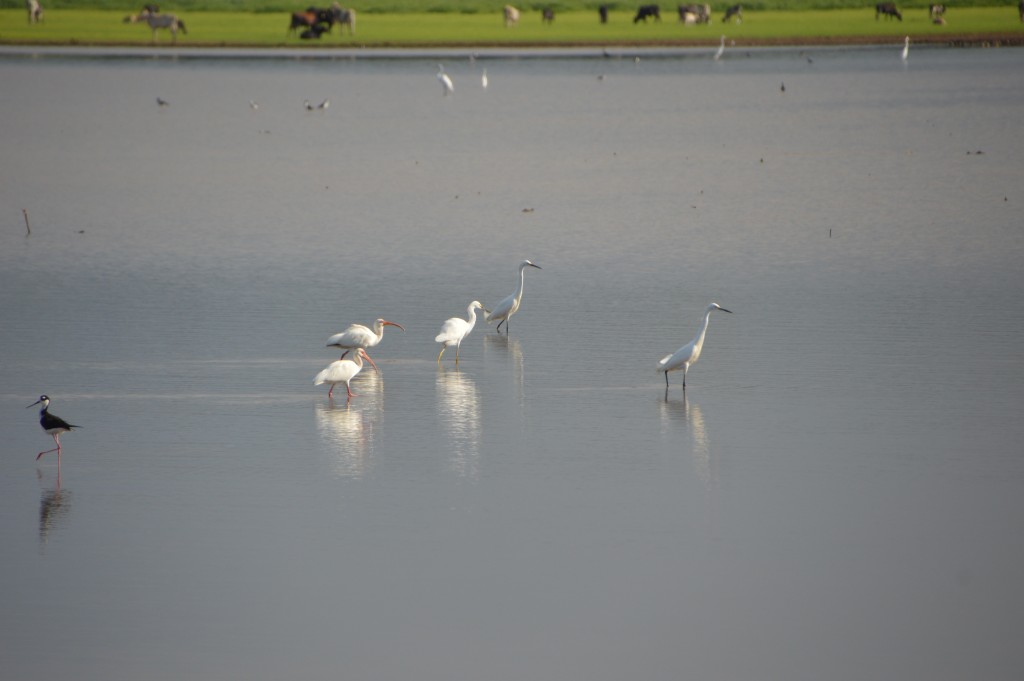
{"x":324,"y":104}
{"x":309,"y":107}
{"x":53,"y":425}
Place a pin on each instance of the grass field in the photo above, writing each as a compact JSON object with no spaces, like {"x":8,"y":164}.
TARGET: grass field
{"x":995,"y":25}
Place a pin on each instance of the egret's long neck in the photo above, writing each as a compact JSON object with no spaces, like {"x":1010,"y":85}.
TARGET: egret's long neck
{"x":472,"y":317}
{"x":698,"y":342}
{"x":522,"y":281}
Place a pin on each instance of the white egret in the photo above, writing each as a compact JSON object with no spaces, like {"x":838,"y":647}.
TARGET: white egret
{"x":253,"y":105}
{"x":508,"y":307}
{"x":52,"y":424}
{"x":342,"y":371}
{"x":483,"y":79}
{"x":687,"y":356}
{"x":906,"y":48}
{"x":454,"y":330}
{"x":359,"y":336}
{"x":446,"y":82}
{"x":721,"y":49}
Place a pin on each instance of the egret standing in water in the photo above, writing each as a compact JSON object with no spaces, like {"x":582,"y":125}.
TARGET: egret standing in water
{"x":446,"y":83}
{"x":906,"y":48}
{"x":483,"y":79}
{"x":721,"y":49}
{"x":359,"y":336}
{"x":454,"y":330}
{"x":508,"y":307}
{"x":53,"y":425}
{"x":686,"y":356}
{"x":342,"y":371}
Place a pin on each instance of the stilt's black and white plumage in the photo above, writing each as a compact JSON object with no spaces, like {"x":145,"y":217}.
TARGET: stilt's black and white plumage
{"x":53,"y":425}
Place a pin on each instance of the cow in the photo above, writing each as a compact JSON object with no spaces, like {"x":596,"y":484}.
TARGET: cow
{"x":547,"y":15}
{"x":695,"y":14}
{"x":35,"y":11}
{"x":511,"y":16}
{"x":310,"y":18}
{"x":645,"y":11}
{"x":343,"y":17}
{"x":888,"y":9}
{"x":734,"y":11}
{"x":937,"y":14}
{"x":602,"y":12}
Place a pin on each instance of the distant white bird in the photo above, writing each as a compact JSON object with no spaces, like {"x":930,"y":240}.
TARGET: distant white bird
{"x":253,"y":105}
{"x":446,"y":82}
{"x":52,"y":424}
{"x":687,"y":356}
{"x":906,"y":48}
{"x":454,"y":330}
{"x":324,"y":104}
{"x":359,"y":336}
{"x":483,"y":79}
{"x":508,"y":307}
{"x":342,"y":371}
{"x":721,"y":49}
{"x":162,"y":102}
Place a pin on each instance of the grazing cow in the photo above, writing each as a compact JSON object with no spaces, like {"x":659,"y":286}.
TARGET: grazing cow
{"x":695,"y":14}
{"x":547,"y":15}
{"x":888,"y":9}
{"x":511,"y":16}
{"x":602,"y":12}
{"x":734,"y":11}
{"x":157,"y":21}
{"x":343,"y":17}
{"x":310,"y":18}
{"x":645,"y":11}
{"x":35,"y":11}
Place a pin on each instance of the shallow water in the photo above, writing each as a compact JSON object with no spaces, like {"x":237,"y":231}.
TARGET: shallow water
{"x":837,"y":495}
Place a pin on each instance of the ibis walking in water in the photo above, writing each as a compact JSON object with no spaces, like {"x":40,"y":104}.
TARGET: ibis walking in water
{"x":53,"y":425}
{"x":508,"y":307}
{"x":359,"y":336}
{"x":342,"y":371}
{"x":454,"y":330}
{"x":687,"y":356}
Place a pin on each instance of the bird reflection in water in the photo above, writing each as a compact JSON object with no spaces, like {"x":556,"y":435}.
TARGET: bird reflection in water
{"x":458,"y":404}
{"x":689,"y":415}
{"x":349,"y":428}
{"x":54,"y":507}
{"x":513,"y":351}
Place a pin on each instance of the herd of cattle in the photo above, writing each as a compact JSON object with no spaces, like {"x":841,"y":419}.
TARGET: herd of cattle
{"x":314,"y":21}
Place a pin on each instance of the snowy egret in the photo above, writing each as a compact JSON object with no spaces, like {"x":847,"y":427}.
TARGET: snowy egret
{"x":446,"y":83}
{"x":53,"y":425}
{"x":906,"y":48}
{"x":483,"y":79}
{"x":342,"y":371}
{"x":253,"y":105}
{"x":359,"y":336}
{"x":721,"y":49}
{"x":454,"y":330}
{"x":686,"y":356}
{"x":508,"y":307}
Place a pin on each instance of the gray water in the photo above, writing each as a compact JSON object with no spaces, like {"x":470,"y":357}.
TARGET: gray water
{"x":837,"y":495}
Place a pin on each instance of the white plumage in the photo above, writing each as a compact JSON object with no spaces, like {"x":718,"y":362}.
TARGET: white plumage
{"x":508,"y":307}
{"x":687,"y":356}
{"x":454,"y":330}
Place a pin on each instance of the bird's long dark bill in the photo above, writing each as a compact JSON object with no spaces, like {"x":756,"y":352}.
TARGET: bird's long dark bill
{"x":724,"y":310}
{"x":34,"y":404}
{"x":537,"y":266}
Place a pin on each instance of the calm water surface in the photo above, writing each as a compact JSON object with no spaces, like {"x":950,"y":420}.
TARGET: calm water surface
{"x":838,"y":495}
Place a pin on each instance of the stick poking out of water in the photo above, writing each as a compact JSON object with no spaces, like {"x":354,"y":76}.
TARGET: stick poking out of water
{"x":28,"y":229}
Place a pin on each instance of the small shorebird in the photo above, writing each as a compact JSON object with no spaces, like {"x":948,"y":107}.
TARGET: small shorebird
{"x":53,"y":425}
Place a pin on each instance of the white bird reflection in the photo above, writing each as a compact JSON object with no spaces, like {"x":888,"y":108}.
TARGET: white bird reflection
{"x":54,"y":507}
{"x":349,"y":429}
{"x":690,"y":416}
{"x":458,"y":405}
{"x":513,"y":351}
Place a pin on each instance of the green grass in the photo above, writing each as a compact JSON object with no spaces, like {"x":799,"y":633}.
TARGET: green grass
{"x":207,"y":28}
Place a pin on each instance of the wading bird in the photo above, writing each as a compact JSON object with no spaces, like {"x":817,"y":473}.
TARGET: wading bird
{"x":721,"y":49}
{"x":447,"y":86}
{"x":906,"y":48}
{"x":342,"y":371}
{"x":687,"y":356}
{"x":359,"y":336}
{"x":483,"y":79}
{"x":53,"y":425}
{"x":455,"y":329}
{"x":508,"y":307}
